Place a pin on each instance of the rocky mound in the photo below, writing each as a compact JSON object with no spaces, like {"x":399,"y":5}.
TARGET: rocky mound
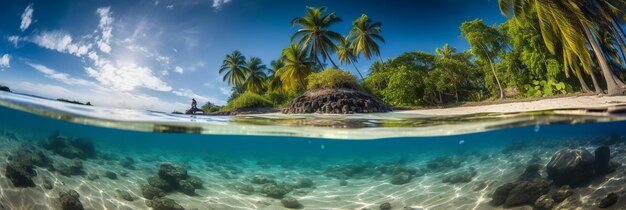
{"x":336,"y":101}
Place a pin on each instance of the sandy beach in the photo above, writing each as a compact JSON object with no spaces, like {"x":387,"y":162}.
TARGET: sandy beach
{"x":569,"y":102}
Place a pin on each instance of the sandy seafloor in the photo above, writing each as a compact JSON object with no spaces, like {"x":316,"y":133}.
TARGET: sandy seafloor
{"x":220,"y":178}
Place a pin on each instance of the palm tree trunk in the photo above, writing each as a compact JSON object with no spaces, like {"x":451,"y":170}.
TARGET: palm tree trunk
{"x":596,"y":85}
{"x":583,"y":84}
{"x":493,"y":69}
{"x":357,"y":70}
{"x":324,"y":51}
{"x":612,"y":88}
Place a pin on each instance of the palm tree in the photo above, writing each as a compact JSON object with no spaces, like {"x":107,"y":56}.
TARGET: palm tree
{"x":255,"y":75}
{"x":297,"y":68}
{"x":234,"y":68}
{"x":346,"y":55}
{"x":274,"y":81}
{"x":364,"y":35}
{"x":314,"y":35}
{"x":561,"y":23}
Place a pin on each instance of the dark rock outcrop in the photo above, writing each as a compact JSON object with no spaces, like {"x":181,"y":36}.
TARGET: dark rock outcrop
{"x":70,"y":200}
{"x":385,"y":206}
{"x":20,"y":175}
{"x":608,"y":200}
{"x":571,"y":166}
{"x":336,"y":101}
{"x":501,"y":193}
{"x":70,"y":147}
{"x":526,"y":192}
{"x":544,"y":202}
{"x":601,"y":160}
{"x":400,"y":178}
{"x":275,"y":191}
{"x":171,"y":177}
{"x":110,"y":175}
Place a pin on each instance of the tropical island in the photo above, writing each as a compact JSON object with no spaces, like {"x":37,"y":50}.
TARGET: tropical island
{"x":538,"y":52}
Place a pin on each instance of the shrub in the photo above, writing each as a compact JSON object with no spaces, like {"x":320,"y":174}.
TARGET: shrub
{"x":248,"y":100}
{"x":404,"y":88}
{"x":332,"y":78}
{"x":279,"y":98}
{"x":210,"y":107}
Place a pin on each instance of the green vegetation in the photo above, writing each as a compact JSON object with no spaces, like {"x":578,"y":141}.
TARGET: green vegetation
{"x":73,"y":102}
{"x":331,"y":78}
{"x":4,"y":88}
{"x":545,"y":48}
{"x":248,"y":100}
{"x":209,"y":107}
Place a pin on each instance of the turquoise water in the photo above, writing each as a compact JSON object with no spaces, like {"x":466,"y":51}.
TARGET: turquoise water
{"x":346,"y":173}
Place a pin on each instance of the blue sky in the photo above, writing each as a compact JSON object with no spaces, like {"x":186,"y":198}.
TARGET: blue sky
{"x":157,"y":55}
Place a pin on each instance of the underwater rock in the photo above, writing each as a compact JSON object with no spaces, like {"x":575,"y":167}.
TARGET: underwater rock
{"x":195,"y":181}
{"x":151,"y":192}
{"x":608,"y":201}
{"x":128,"y":163}
{"x":70,"y":200}
{"x":385,"y":206}
{"x":124,"y":195}
{"x":46,"y":183}
{"x":601,"y":160}
{"x":562,"y":193}
{"x":274,"y":191}
{"x":163,"y":204}
{"x":245,"y":189}
{"x":70,"y":148}
{"x":401,"y":178}
{"x":261,"y":179}
{"x":443,"y":164}
{"x":305,"y":183}
{"x":172,"y":172}
{"x":531,"y":173}
{"x":290,"y":202}
{"x":571,"y":166}
{"x":75,"y":168}
{"x":30,"y":157}
{"x":526,"y":192}
{"x":501,"y":193}
{"x":20,"y":175}
{"x":460,"y":177}
{"x":343,"y":183}
{"x":544,"y":202}
{"x":110,"y":175}
{"x":162,"y":184}
{"x":186,"y":187}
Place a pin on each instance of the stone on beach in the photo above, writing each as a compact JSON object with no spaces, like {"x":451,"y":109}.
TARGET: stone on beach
{"x":290,"y":202}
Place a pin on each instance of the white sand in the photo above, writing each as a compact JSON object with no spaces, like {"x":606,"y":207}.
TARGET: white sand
{"x":541,"y":104}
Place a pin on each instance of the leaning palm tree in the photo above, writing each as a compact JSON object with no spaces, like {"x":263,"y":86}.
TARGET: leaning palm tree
{"x":255,"y":75}
{"x":234,"y":68}
{"x":571,"y":26}
{"x":345,"y":54}
{"x":297,"y":68}
{"x":314,"y":35}
{"x":364,"y":35}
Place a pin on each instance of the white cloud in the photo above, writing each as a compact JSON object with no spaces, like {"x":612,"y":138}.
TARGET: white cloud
{"x":127,"y":77}
{"x":190,"y":94}
{"x":15,"y":40}
{"x":60,"y":41}
{"x":61,"y":77}
{"x":226,"y":91}
{"x":217,"y":4}
{"x":105,"y":28}
{"x":5,"y":61}
{"x":179,"y":70}
{"x":194,"y":67}
{"x":170,"y":7}
{"x":27,"y":17}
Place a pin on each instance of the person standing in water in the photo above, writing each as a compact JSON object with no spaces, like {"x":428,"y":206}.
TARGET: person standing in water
{"x":194,"y":104}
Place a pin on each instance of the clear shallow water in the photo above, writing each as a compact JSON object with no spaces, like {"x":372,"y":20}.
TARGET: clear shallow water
{"x":227,"y":153}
